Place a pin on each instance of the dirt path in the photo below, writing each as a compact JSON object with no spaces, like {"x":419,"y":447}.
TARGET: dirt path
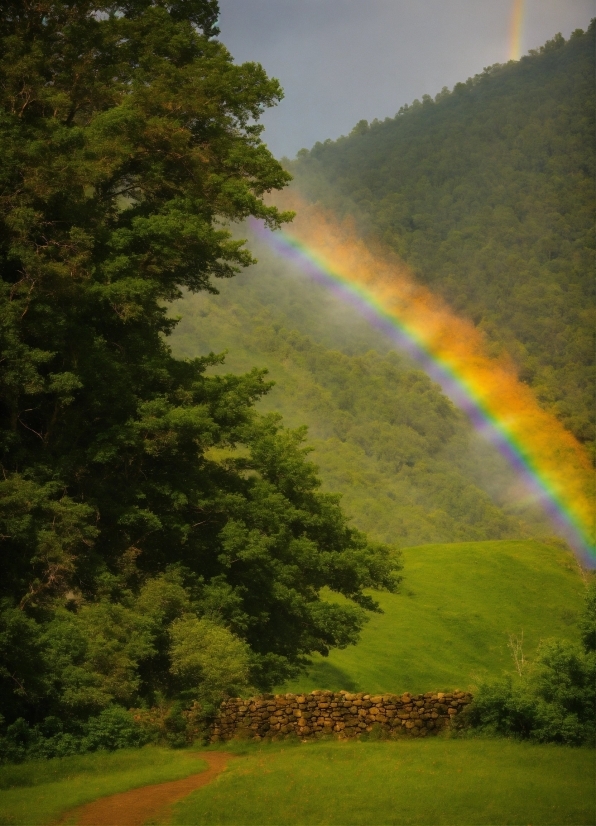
{"x":136,"y":807}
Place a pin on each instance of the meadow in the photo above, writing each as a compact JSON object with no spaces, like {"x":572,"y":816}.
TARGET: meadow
{"x":41,"y":791}
{"x":433,"y":781}
{"x":450,"y":625}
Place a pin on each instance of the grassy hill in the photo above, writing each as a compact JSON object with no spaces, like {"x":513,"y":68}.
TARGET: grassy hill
{"x":450,"y":624}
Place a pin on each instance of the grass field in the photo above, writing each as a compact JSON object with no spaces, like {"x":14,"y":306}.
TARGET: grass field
{"x":438,"y":781}
{"x":450,"y":625}
{"x":39,"y":792}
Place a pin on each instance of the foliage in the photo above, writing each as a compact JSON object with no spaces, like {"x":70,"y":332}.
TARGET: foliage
{"x":113,"y":728}
{"x":588,"y":620}
{"x":553,"y":701}
{"x":487,"y":193}
{"x":130,"y":139}
{"x":205,"y":654}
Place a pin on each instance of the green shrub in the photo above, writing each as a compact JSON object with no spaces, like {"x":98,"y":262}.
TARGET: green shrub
{"x":553,"y":702}
{"x":114,"y":728}
{"x":587,"y":625}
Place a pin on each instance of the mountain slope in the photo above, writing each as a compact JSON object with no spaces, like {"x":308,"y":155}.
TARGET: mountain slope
{"x":487,"y":193}
{"x":406,"y":462}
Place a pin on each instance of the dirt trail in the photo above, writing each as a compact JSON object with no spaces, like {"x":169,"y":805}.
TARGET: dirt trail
{"x":136,"y":807}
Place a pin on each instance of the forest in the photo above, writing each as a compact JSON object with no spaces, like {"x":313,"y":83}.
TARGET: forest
{"x":486,"y":191}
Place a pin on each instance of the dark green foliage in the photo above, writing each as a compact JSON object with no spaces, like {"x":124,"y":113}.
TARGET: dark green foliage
{"x":114,"y":728}
{"x":551,"y":700}
{"x":487,"y":193}
{"x":144,"y":505}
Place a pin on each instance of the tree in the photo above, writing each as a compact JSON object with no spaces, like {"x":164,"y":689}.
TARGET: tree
{"x":129,"y":141}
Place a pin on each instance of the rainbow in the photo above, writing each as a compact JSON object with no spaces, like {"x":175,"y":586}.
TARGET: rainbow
{"x":546,"y":458}
{"x":515,"y":30}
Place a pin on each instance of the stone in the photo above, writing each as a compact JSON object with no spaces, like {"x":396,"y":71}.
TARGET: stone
{"x":345,"y":713}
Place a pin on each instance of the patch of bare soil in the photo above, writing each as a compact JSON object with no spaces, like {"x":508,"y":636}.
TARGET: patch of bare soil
{"x":137,"y":806}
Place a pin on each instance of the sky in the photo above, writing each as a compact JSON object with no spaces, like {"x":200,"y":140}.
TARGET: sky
{"x":341,"y":61}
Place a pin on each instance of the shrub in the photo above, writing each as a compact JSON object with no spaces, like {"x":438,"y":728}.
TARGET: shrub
{"x":114,"y":728}
{"x":553,"y":702}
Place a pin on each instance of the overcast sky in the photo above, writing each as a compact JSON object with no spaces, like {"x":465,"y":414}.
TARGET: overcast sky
{"x":343,"y":60}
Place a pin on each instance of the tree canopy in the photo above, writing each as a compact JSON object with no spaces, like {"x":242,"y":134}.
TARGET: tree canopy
{"x":148,"y":515}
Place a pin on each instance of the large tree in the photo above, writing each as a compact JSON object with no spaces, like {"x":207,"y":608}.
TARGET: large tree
{"x":129,"y":140}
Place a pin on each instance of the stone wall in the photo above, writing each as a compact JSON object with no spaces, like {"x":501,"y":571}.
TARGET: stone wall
{"x":342,"y":714}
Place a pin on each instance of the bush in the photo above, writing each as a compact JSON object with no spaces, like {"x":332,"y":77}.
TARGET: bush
{"x":175,"y":724}
{"x":114,"y":728}
{"x":553,"y":702}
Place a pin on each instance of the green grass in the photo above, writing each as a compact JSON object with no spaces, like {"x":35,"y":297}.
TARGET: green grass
{"x":426,"y":782}
{"x":449,"y":627}
{"x":40,"y":791}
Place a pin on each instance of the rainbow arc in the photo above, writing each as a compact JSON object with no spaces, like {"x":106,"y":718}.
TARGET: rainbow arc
{"x":516,"y":30}
{"x":553,"y":466}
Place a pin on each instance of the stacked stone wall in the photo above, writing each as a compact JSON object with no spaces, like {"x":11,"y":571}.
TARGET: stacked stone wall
{"x":341,"y":714}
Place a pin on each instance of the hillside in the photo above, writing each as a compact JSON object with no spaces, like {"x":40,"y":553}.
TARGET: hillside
{"x":487,"y":193}
{"x":407,"y":464}
{"x":450,"y":625}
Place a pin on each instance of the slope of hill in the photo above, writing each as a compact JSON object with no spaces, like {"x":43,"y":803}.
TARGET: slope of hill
{"x":487,"y":193}
{"x":407,"y":464}
{"x":451,"y":624}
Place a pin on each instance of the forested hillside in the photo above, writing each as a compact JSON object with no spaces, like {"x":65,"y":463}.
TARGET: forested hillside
{"x":487,"y":192}
{"x":407,"y":464}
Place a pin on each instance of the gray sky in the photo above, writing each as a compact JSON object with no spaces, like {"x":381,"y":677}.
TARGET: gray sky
{"x":343,"y":60}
